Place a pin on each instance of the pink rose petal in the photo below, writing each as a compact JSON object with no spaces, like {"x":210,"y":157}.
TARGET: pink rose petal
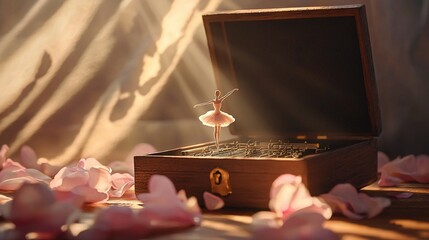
{"x":68,"y":178}
{"x":13,"y":184}
{"x":13,"y":175}
{"x":89,"y":163}
{"x":9,"y":163}
{"x":88,"y":178}
{"x":345,"y":199}
{"x":34,"y":209}
{"x":29,"y":158}
{"x":165,"y":208}
{"x":100,"y":179}
{"x":282,"y":180}
{"x":160,"y":188}
{"x":212,"y":202}
{"x":407,"y":169}
{"x":121,"y":182}
{"x":289,"y":194}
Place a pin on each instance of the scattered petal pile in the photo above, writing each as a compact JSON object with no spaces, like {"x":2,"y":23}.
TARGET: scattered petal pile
{"x":88,"y":178}
{"x":164,"y":210}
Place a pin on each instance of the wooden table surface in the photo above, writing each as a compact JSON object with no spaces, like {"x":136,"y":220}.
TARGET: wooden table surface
{"x":404,"y":219}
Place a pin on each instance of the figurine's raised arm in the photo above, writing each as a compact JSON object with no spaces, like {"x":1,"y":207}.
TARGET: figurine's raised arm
{"x":203,"y":104}
{"x":228,"y":94}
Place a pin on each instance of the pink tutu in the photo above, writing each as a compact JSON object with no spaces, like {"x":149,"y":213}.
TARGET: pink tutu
{"x":212,"y":119}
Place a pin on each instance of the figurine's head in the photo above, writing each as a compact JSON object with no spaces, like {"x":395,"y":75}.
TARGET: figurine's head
{"x":217,"y":93}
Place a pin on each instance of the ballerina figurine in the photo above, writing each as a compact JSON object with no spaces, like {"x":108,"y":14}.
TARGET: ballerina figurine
{"x":216,"y":118}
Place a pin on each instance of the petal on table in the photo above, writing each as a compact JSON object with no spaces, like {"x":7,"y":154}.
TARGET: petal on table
{"x":289,"y":194}
{"x":345,"y":199}
{"x":212,"y":202}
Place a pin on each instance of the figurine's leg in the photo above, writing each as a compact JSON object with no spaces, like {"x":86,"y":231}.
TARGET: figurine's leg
{"x":217,"y":135}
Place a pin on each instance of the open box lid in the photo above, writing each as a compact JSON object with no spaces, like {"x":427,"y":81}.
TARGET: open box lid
{"x":303,"y":73}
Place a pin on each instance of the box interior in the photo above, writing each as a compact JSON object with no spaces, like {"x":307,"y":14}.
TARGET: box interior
{"x":298,"y":76}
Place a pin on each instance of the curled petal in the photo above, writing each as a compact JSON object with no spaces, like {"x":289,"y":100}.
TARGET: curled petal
{"x":12,"y":165}
{"x":13,"y":184}
{"x":406,"y":169}
{"x":14,"y":175}
{"x":282,"y":180}
{"x":89,"y":163}
{"x":100,"y":179}
{"x":344,"y":199}
{"x":120,"y":184}
{"x":68,"y":178}
{"x":212,"y":202}
{"x":288,"y":194}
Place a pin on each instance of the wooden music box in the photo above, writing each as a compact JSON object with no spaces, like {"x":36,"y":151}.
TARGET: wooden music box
{"x":307,"y":105}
